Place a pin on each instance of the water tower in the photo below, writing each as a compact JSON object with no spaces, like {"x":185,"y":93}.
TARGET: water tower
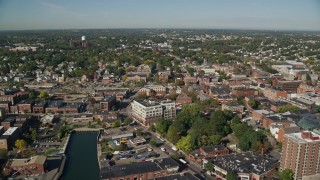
{"x":83,"y":38}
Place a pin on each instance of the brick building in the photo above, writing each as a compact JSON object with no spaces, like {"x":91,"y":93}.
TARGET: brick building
{"x":146,"y":170}
{"x":31,"y":166}
{"x":289,"y":86}
{"x":25,"y":106}
{"x":5,"y":105}
{"x":273,"y":94}
{"x":246,"y":165}
{"x":243,"y":92}
{"x":287,"y":130}
{"x":275,"y":119}
{"x":107,"y":103}
{"x":300,"y":153}
{"x":183,"y":99}
{"x":9,"y":137}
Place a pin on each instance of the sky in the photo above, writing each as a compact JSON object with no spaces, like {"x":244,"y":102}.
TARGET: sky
{"x":201,"y":14}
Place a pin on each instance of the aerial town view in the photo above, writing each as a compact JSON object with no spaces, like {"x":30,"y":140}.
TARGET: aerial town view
{"x":162,"y":90}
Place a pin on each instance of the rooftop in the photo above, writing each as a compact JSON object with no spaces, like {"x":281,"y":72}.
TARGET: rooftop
{"x":32,"y":160}
{"x":182,"y":176}
{"x":10,"y":131}
{"x":304,"y":137}
{"x":129,"y":169}
{"x":213,"y":148}
{"x":247,"y":162}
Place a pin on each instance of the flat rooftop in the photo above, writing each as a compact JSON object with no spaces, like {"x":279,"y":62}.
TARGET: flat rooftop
{"x":297,"y":137}
{"x":10,"y":131}
{"x":129,"y":169}
{"x":247,"y":162}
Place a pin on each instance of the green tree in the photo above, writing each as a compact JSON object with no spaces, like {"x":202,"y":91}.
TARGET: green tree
{"x":122,"y":147}
{"x":44,"y":95}
{"x":34,"y":135}
{"x":287,"y":174}
{"x":139,"y":132}
{"x":20,"y":144}
{"x":152,"y":128}
{"x":208,"y":166}
{"x":153,"y":142}
{"x":175,"y":131}
{"x":253,"y":103}
{"x":117,"y":123}
{"x":127,"y":121}
{"x":186,"y":143}
{"x":62,"y":132}
{"x":32,"y":95}
{"x":162,"y":126}
{"x":287,"y":108}
{"x":231,"y":175}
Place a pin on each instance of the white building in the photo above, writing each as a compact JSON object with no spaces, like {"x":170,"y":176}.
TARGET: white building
{"x":148,"y":111}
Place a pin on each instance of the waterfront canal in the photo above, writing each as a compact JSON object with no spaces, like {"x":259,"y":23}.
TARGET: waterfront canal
{"x":82,"y":160}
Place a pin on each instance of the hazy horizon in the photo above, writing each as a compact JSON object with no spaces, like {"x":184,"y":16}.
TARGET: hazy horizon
{"x":285,"y":15}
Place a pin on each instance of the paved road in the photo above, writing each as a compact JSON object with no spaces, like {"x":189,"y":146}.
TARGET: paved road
{"x":196,"y":169}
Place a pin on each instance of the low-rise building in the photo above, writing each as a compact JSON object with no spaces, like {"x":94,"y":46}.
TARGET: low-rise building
{"x":247,"y":165}
{"x":242,"y":92}
{"x":107,"y":103}
{"x":8,"y":138}
{"x":146,"y":170}
{"x":183,"y":99}
{"x":31,"y":166}
{"x":150,"y":90}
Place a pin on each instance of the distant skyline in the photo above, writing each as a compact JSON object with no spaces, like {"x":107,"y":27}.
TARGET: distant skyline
{"x":199,"y":14}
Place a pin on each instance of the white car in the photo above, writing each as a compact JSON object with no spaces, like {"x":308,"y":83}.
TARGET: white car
{"x":163,"y":149}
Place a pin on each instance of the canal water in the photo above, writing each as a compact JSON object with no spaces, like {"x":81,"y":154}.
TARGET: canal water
{"x":82,"y":163}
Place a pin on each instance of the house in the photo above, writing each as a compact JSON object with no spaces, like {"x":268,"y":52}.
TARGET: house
{"x":31,"y":166}
{"x":189,"y":80}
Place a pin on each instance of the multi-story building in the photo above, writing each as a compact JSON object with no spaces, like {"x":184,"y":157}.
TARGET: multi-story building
{"x":289,"y":86}
{"x":300,"y":153}
{"x":8,"y":138}
{"x":273,"y":94}
{"x":148,"y":111}
{"x":107,"y":103}
{"x":153,"y":89}
{"x":32,"y":165}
